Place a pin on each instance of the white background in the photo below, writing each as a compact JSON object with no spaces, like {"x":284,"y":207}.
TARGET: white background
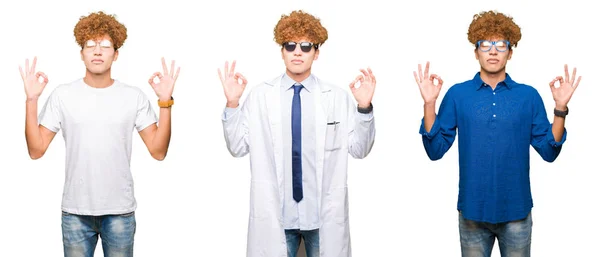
{"x":195,"y":203}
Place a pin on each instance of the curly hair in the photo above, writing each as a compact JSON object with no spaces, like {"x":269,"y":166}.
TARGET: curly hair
{"x":97,"y":25}
{"x":299,"y":24}
{"x":494,"y":24}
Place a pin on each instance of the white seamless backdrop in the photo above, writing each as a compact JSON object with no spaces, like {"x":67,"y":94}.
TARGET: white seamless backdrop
{"x":195,"y":202}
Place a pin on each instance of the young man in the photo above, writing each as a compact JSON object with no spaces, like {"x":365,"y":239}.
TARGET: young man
{"x":497,"y":119}
{"x":298,"y":131}
{"x":97,"y":115}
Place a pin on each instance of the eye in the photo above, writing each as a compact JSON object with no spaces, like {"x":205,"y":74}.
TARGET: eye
{"x":105,"y":43}
{"x":485,"y":43}
{"x":90,"y":43}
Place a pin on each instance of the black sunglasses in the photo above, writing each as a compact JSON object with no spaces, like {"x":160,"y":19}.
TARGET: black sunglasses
{"x":304,"y":46}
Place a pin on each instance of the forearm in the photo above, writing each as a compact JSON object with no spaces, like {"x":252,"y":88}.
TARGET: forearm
{"x":558,"y":126}
{"x":162,"y":137}
{"x":362,"y":137}
{"x":428,"y":115}
{"x":33,"y":136}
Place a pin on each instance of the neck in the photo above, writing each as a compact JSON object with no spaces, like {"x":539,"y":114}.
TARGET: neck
{"x":492,"y":79}
{"x":298,"y":77}
{"x":98,"y":80}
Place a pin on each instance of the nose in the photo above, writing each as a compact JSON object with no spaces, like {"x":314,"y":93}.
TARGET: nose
{"x":97,"y":50}
{"x":493,"y":50}
{"x":298,"y":50}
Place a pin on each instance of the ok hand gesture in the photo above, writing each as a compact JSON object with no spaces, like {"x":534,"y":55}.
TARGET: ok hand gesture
{"x":429,"y":90}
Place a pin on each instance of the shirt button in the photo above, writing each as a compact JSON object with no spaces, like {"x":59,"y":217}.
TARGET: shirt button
{"x":494,"y":115}
{"x":494,"y":104}
{"x":494,"y":93}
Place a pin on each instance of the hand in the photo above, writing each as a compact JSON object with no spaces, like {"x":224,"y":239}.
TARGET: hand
{"x":563,"y":93}
{"x":429,"y":90}
{"x":231,"y":84}
{"x":31,"y":80}
{"x":364,"y":93}
{"x":164,"y":88}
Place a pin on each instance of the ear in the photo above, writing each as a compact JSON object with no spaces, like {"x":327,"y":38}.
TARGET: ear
{"x":509,"y":54}
{"x":81,"y":53}
{"x":116,"y":55}
{"x":282,"y":57}
{"x":316,"y":55}
{"x":476,"y":54}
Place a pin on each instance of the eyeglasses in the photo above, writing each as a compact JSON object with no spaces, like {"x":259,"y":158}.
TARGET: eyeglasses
{"x":304,"y":46}
{"x":501,"y":45}
{"x":104,"y":44}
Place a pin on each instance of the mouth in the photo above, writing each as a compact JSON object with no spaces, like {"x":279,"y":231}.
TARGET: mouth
{"x":297,"y":61}
{"x":97,"y":61}
{"x":493,"y":61}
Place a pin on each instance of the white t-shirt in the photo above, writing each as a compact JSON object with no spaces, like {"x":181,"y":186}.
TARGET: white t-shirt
{"x":97,"y":126}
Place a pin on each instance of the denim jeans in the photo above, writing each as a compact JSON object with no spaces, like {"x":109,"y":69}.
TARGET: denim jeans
{"x":311,"y":241}
{"x":80,"y":234}
{"x":477,"y":238}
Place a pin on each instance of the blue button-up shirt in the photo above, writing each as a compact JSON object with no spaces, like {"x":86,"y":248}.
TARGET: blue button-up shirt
{"x":495,"y":127}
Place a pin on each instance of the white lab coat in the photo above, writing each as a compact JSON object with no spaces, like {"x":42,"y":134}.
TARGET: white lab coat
{"x":255,"y":128}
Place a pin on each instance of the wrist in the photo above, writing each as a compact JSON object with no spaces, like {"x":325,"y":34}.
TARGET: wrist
{"x":164,"y":98}
{"x":32,"y":99}
{"x":232,"y":104}
{"x":561,"y":107}
{"x":364,"y":105}
{"x":429,"y":104}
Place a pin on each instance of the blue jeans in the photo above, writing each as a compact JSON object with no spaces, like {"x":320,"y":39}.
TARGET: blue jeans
{"x":80,"y":234}
{"x":477,"y":238}
{"x":311,"y":241}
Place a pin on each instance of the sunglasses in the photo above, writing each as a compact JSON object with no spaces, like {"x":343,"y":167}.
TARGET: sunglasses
{"x":304,"y":46}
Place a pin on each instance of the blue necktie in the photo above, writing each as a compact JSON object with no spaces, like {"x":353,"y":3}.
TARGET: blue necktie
{"x":297,"y":144}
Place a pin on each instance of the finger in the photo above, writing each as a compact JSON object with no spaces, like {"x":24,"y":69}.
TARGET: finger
{"x":426,"y":75}
{"x":232,"y":68}
{"x":560,"y":79}
{"x":151,"y":80}
{"x":416,"y":77}
{"x":43,"y":75}
{"x":33,"y":64}
{"x":21,"y":71}
{"x":372,"y":76}
{"x":226,"y":70}
{"x":577,"y":83}
{"x":220,"y":75}
{"x":172,"y":69}
{"x":566,"y":73}
{"x":164,"y":65}
{"x":176,"y":74}
{"x":574,"y":76}
{"x":420,"y":74}
{"x":244,"y":81}
{"x":366,"y":75}
{"x":438,"y":78}
{"x":27,"y":72}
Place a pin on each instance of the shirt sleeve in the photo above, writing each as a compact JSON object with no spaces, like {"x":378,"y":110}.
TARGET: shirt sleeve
{"x":145,"y":113}
{"x":443,"y":132}
{"x":50,"y":115}
{"x":542,"y":138}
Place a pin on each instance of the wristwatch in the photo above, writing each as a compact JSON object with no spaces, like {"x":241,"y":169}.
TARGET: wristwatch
{"x":365,"y":110}
{"x":166,"y":104}
{"x":561,"y":113}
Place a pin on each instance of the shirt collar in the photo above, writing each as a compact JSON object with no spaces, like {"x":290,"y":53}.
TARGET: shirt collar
{"x":508,"y":82}
{"x":309,"y":83}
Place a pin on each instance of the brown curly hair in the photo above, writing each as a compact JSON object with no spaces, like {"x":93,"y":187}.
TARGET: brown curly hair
{"x":97,"y":25}
{"x":299,"y":24}
{"x":494,"y":24}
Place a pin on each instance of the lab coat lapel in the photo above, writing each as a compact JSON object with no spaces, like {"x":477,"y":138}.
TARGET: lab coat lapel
{"x":273,"y":98}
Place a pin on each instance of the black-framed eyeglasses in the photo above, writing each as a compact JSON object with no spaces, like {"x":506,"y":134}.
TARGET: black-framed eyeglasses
{"x":304,"y":46}
{"x":486,"y":45}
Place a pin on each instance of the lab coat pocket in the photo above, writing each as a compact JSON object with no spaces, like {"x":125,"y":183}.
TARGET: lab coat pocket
{"x":262,"y":200}
{"x":337,"y":205}
{"x":333,"y":139}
